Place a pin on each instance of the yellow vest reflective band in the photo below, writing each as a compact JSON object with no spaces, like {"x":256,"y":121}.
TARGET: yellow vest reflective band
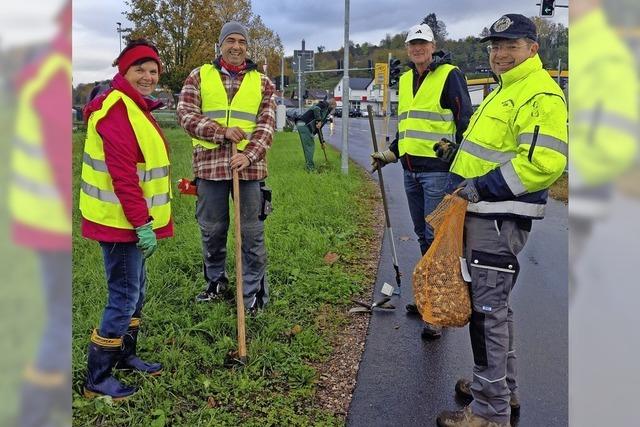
{"x":98,"y":201}
{"x":504,"y":133}
{"x":242,"y":111}
{"x":33,"y":198}
{"x":421,"y":120}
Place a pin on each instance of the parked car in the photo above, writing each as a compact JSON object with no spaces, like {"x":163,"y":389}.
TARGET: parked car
{"x":355,"y":112}
{"x":338,"y":112}
{"x":364,"y":113}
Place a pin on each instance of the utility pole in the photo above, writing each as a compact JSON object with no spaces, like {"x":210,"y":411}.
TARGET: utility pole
{"x":345,"y":94}
{"x":300,"y":83}
{"x":282,"y":76}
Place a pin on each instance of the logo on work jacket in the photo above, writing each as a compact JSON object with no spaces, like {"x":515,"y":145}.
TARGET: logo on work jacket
{"x":502,"y":24}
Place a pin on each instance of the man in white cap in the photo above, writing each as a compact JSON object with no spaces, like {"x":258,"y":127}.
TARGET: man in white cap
{"x":434,"y":104}
{"x":222,"y":103}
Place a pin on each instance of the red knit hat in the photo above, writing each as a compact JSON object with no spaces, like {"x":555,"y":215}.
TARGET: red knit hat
{"x":136,"y":53}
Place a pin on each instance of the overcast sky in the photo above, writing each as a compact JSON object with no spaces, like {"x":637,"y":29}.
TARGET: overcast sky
{"x":96,"y":43}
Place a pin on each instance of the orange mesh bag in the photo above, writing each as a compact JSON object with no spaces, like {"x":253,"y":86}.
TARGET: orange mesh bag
{"x":442,"y":296}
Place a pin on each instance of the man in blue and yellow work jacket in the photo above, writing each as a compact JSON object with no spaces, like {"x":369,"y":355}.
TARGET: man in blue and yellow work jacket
{"x":514,"y":148}
{"x":433,"y":103}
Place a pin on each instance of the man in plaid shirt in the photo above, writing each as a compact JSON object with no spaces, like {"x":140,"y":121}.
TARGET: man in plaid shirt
{"x":223,"y":103}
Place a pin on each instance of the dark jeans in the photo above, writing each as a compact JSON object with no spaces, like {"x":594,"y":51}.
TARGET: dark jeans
{"x":212,"y":213}
{"x":54,"y":353}
{"x":126,"y":279}
{"x":425,"y":191}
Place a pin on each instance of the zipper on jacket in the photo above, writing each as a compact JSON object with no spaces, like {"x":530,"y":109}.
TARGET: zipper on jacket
{"x":476,"y":120}
{"x":533,"y":143}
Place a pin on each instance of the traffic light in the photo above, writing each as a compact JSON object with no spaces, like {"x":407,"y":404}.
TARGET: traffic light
{"x":547,"y":8}
{"x":394,"y":71}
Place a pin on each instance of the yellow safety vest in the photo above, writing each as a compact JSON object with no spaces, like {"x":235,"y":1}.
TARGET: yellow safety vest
{"x":242,"y":111}
{"x":33,"y":198}
{"x":502,"y":132}
{"x":421,"y":120}
{"x":98,"y":201}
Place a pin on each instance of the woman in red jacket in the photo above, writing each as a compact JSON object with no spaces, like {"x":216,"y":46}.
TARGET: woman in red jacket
{"x":125,"y":205}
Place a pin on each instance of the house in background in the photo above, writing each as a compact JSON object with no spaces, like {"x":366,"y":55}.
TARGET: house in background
{"x":364,"y":92}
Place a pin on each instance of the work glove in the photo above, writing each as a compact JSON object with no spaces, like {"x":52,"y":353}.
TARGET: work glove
{"x":446,"y":150}
{"x":382,"y":158}
{"x":468,"y":191}
{"x":147,"y":241}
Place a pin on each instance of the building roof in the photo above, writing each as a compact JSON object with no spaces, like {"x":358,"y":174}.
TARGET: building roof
{"x":359,"y":83}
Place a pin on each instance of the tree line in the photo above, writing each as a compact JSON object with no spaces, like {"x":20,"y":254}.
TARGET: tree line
{"x":185,"y":32}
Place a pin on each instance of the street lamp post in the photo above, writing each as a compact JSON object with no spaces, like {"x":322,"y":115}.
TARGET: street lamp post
{"x":119,"y":30}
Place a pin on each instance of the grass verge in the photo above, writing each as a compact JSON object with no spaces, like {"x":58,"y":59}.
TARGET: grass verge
{"x":313,"y":214}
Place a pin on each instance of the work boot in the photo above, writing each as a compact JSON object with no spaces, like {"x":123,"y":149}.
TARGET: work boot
{"x":463,"y":391}
{"x":429,"y":332}
{"x":465,"y":418}
{"x":102,"y":356}
{"x":129,"y":360}
{"x":214,"y":291}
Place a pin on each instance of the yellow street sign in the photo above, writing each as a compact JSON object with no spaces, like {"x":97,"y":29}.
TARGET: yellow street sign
{"x":380,"y":74}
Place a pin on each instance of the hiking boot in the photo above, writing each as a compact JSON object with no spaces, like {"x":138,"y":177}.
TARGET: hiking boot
{"x":463,"y":391}
{"x":129,"y":359}
{"x":466,"y":418}
{"x":214,"y":291}
{"x":431,"y":332}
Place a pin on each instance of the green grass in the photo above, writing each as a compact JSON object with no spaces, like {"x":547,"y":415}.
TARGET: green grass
{"x":313,"y":214}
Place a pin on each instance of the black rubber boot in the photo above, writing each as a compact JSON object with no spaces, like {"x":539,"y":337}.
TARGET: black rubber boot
{"x":104,"y":353}
{"x":129,"y":359}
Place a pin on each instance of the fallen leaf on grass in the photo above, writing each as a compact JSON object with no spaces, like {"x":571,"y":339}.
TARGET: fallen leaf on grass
{"x":211,"y":402}
{"x":330,"y":258}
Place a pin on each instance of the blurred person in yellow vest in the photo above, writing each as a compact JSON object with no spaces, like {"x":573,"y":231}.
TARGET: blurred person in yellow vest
{"x":40,"y":205}
{"x":221,"y":103}
{"x":514,"y":148}
{"x":125,"y":201}
{"x":603,"y":118}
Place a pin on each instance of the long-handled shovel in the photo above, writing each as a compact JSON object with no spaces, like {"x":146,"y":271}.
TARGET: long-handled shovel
{"x":242,"y":343}
{"x":322,"y":145}
{"x":388,"y":230}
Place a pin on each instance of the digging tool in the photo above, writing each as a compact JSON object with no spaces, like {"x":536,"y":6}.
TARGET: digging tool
{"x":368,"y":308}
{"x":322,"y":144}
{"x":388,"y":230}
{"x":242,"y":343}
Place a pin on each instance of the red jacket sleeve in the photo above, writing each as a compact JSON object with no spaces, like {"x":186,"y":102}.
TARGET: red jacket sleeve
{"x":121,"y":153}
{"x":56,"y":124}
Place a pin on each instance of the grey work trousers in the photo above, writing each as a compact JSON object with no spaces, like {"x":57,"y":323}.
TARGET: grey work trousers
{"x":491,"y":247}
{"x":212,"y":213}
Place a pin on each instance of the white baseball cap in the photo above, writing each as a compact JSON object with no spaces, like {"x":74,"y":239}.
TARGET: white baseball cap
{"x":420,"y":32}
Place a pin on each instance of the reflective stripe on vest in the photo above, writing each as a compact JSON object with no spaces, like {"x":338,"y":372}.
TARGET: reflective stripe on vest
{"x":242,"y":111}
{"x":421,"y":120}
{"x":490,"y":142}
{"x":34,"y":199}
{"x":98,"y":201}
{"x":529,"y":210}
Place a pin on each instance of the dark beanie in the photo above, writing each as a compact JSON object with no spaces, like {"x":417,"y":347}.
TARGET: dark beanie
{"x":233,"y":27}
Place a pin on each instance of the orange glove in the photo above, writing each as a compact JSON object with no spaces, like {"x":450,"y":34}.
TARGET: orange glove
{"x":186,"y":186}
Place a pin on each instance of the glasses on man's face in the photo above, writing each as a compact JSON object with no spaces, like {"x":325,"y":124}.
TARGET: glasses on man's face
{"x":505,"y":47}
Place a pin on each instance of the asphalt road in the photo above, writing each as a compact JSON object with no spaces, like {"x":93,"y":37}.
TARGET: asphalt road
{"x":405,"y":381}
